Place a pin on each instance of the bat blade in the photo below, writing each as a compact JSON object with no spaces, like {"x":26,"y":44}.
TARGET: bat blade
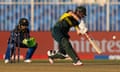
{"x":94,"y":44}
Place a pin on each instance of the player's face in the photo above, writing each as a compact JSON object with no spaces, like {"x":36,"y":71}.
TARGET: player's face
{"x":80,"y":14}
{"x":23,"y":27}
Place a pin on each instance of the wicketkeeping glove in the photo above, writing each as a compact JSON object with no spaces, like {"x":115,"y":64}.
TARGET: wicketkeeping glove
{"x":83,"y":28}
{"x":30,"y":42}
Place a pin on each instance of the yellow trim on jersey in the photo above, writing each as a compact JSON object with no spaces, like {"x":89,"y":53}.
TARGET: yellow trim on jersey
{"x":65,"y":16}
{"x":69,"y":22}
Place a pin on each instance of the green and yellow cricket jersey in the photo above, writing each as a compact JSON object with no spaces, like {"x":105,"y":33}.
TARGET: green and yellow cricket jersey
{"x":63,"y":25}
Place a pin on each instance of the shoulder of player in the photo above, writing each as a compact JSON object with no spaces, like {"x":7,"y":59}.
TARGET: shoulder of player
{"x":73,"y":15}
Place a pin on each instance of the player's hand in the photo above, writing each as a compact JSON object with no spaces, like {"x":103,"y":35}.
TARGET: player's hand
{"x":83,"y":30}
{"x":31,"y":42}
{"x":25,"y":41}
{"x":82,"y":24}
{"x":82,"y":27}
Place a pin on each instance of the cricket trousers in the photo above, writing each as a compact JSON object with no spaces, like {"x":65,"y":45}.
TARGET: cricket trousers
{"x":65,"y":47}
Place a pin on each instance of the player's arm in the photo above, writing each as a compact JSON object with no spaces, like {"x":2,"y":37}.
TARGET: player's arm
{"x":27,"y":33}
{"x":76,"y":27}
{"x":81,"y":28}
{"x":72,"y":14}
{"x":77,"y":30}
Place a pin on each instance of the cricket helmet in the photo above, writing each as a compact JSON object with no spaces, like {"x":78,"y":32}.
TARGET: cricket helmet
{"x":81,"y":9}
{"x":24,"y":22}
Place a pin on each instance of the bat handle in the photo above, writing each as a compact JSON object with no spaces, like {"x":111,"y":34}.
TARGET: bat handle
{"x":86,"y":35}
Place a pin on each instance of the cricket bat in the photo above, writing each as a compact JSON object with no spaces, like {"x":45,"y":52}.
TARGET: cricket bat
{"x":94,"y":44}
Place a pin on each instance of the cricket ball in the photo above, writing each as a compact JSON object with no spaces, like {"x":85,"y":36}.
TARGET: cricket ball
{"x":114,"y":37}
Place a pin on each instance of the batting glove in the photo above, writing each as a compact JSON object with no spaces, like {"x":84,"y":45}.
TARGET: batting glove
{"x":83,"y":28}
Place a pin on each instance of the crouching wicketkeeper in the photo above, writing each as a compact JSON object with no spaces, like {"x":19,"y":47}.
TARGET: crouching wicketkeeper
{"x":20,"y":38}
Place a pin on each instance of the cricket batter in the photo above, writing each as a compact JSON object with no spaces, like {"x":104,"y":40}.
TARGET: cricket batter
{"x":20,"y":37}
{"x":60,"y":34}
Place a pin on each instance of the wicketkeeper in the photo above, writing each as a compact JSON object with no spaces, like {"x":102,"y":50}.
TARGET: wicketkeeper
{"x":20,"y":38}
{"x":60,"y":34}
